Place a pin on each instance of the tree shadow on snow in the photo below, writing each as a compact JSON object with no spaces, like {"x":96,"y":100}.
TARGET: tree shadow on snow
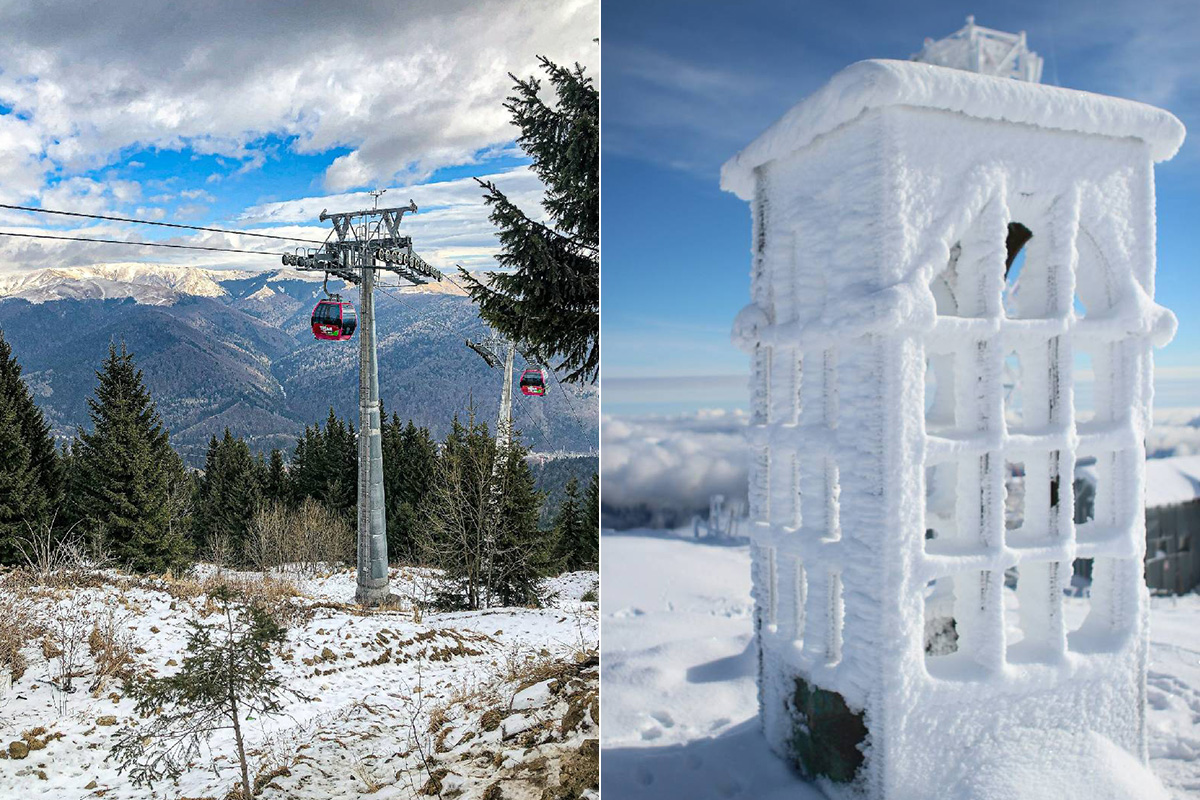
{"x":725,"y":669}
{"x":736,"y":765}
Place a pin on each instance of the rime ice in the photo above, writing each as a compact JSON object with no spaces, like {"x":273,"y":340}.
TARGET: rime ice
{"x":906,"y":357}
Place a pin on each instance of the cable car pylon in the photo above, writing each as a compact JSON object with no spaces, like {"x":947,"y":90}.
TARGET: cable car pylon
{"x":365,"y":238}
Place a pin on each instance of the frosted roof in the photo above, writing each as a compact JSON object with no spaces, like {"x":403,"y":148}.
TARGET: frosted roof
{"x":881,"y":83}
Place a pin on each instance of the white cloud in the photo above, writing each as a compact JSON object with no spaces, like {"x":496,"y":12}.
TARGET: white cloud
{"x":673,"y":464}
{"x":409,"y":87}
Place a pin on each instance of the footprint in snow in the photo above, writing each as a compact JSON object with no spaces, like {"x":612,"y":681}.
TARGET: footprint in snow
{"x":663,"y":718}
{"x":652,"y":733}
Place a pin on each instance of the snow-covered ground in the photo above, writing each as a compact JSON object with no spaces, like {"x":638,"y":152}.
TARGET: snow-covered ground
{"x":403,"y":702}
{"x":679,"y":697}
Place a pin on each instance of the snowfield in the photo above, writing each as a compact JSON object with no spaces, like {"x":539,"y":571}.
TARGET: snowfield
{"x":680,"y":699}
{"x":402,"y":702}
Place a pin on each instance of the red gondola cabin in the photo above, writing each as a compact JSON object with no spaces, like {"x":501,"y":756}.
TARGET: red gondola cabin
{"x":334,"y":320}
{"x":533,"y":383}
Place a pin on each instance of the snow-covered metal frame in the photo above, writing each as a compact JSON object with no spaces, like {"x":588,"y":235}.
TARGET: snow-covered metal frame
{"x":986,"y":51}
{"x":879,"y":327}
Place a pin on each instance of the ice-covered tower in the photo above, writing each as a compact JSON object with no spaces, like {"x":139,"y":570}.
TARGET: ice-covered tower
{"x":940,"y":258}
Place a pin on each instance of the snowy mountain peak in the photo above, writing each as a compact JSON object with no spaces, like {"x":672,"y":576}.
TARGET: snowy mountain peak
{"x":151,"y":284}
{"x":160,"y":284}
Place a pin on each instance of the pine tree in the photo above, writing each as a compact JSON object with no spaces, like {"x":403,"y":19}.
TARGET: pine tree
{"x":458,"y":515}
{"x":591,"y":515}
{"x":131,"y":488}
{"x":550,"y":302}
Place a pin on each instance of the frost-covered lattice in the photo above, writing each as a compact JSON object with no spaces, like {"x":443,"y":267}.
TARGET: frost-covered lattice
{"x":980,"y":49}
{"x":936,"y":255}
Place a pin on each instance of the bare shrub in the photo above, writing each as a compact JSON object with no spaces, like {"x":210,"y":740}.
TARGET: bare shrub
{"x":267,"y":537}
{"x":219,"y":550}
{"x":307,"y":539}
{"x":112,"y":646}
{"x":323,"y":538}
{"x":49,"y":553}
{"x":67,"y":633}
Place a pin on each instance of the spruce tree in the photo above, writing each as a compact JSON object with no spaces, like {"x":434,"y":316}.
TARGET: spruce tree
{"x":229,"y":492}
{"x":550,"y":301}
{"x":591,"y":514}
{"x":127,"y":480}
{"x":575,"y":547}
{"x":523,"y":553}
{"x":459,"y":519}
{"x":227,"y":677}
{"x":325,"y":466}
{"x":20,"y":494}
{"x":410,"y":461}
{"x":44,"y":464}
{"x":275,"y":484}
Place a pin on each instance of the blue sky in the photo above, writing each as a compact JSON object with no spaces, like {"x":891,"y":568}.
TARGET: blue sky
{"x":260,"y":115}
{"x":690,"y":83}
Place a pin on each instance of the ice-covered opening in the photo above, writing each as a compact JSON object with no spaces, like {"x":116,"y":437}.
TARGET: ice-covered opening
{"x":1032,"y":612}
{"x":1084,"y":385}
{"x":1014,"y":495}
{"x":1011,"y":381}
{"x":800,"y":599}
{"x":836,"y":620}
{"x":939,"y":393}
{"x":1013,"y":633}
{"x":940,"y":492}
{"x":1014,"y":244}
{"x":833,"y":499}
{"x":1101,"y":624}
{"x":941,"y":631}
{"x":1078,"y":306}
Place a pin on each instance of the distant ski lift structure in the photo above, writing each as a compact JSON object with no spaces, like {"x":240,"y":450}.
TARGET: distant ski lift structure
{"x":986,"y":51}
{"x":334,"y":319}
{"x":533,"y":383}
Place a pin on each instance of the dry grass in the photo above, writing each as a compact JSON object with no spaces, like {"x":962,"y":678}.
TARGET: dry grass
{"x":18,"y":630}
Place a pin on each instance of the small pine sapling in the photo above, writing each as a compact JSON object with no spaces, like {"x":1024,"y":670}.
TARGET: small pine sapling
{"x":226,"y":676}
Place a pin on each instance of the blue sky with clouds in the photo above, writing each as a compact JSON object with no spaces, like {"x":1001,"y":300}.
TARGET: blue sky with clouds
{"x":690,"y":83}
{"x":262,"y":114}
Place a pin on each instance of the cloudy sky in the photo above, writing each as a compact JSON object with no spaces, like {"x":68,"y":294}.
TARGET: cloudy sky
{"x":685,"y":91}
{"x":259,"y":115}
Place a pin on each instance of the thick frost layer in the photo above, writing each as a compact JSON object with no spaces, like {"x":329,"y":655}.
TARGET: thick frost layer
{"x":879,"y":83}
{"x":904,"y":363}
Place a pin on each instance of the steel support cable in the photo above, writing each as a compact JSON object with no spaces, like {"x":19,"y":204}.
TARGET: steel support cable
{"x":137,"y":244}
{"x":160,"y":224}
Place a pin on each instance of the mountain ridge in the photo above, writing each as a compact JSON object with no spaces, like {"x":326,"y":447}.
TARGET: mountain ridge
{"x":246,"y":359}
